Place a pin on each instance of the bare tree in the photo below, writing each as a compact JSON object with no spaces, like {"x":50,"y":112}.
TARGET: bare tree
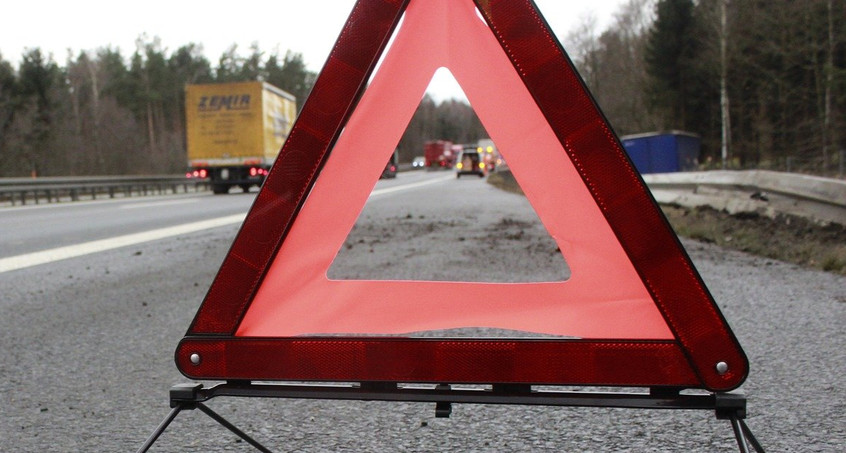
{"x":582,"y":45}
{"x":714,"y":59}
{"x":612,"y":65}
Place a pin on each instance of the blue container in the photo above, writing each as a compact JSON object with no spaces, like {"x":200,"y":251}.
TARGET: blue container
{"x":663,"y":152}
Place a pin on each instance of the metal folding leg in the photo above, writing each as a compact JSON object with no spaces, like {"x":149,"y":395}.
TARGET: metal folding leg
{"x":186,"y":396}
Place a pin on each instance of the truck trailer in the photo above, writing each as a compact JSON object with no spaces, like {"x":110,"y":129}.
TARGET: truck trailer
{"x":663,"y":152}
{"x":234,"y":131}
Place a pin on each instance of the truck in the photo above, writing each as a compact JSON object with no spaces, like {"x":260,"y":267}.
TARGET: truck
{"x":664,"y":151}
{"x":439,"y":155}
{"x":490,"y":154}
{"x":234,"y":131}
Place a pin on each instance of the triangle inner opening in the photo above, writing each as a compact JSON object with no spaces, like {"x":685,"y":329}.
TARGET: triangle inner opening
{"x":429,"y":220}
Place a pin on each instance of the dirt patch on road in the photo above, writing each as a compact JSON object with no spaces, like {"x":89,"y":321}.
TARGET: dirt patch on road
{"x":470,"y":249}
{"x":785,"y":238}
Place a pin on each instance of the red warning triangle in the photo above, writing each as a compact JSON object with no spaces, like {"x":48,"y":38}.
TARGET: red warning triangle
{"x":634,"y":312}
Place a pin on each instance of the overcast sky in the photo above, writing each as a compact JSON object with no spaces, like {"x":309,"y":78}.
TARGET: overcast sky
{"x":309,"y":27}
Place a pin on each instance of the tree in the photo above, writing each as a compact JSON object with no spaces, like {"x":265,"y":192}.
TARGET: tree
{"x":612,"y":65}
{"x":715,"y":45}
{"x":38,"y":76}
{"x":583,"y":47}
{"x":291,"y":76}
{"x":670,"y":51}
{"x":9,"y":99}
{"x":420,"y":129}
{"x":228,"y":66}
{"x":186,"y":65}
{"x":155,"y":83}
{"x":120,"y":84}
{"x":448,"y":120}
{"x":778,"y":79}
{"x":250,"y":68}
{"x":84,"y":89}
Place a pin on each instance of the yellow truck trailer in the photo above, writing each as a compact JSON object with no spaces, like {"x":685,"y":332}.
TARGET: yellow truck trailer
{"x":234,"y":131}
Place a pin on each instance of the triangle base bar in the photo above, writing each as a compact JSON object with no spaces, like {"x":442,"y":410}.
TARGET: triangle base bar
{"x":634,"y":363}
{"x":727,"y":406}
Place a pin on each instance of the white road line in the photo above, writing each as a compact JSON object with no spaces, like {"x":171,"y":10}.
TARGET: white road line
{"x":86,"y":248}
{"x":71,"y":251}
{"x":156,"y":204}
{"x":412,"y":185}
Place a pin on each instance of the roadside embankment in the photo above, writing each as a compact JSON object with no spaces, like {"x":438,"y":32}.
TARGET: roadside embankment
{"x":765,"y":220}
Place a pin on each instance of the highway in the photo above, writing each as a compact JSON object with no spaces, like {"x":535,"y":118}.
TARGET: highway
{"x":96,"y":296}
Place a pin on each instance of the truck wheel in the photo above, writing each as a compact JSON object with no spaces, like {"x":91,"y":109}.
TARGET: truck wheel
{"x":245,"y":187}
{"x":220,"y":189}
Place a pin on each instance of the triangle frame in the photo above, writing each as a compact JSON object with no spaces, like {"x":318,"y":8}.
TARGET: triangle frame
{"x":702,"y":353}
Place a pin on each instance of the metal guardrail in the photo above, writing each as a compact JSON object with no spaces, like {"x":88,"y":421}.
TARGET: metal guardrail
{"x":829,"y":194}
{"x":816,"y":188}
{"x":22,"y":191}
{"x":754,"y":191}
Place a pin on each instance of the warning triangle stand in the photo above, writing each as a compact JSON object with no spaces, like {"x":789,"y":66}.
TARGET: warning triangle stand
{"x":635,"y":312}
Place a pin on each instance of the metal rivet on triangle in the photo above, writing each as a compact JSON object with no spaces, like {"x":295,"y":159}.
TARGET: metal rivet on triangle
{"x":722,"y":368}
{"x":195,"y":359}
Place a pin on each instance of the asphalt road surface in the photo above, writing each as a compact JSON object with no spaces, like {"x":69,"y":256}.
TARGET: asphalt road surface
{"x":87,"y":341}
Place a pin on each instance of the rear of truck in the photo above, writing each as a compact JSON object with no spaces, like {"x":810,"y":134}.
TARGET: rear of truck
{"x":438,"y":155}
{"x":234,"y":131}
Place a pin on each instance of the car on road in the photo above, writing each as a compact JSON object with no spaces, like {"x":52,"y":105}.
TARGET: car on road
{"x":418,"y":162}
{"x":470,"y":163}
{"x":390,"y":170}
